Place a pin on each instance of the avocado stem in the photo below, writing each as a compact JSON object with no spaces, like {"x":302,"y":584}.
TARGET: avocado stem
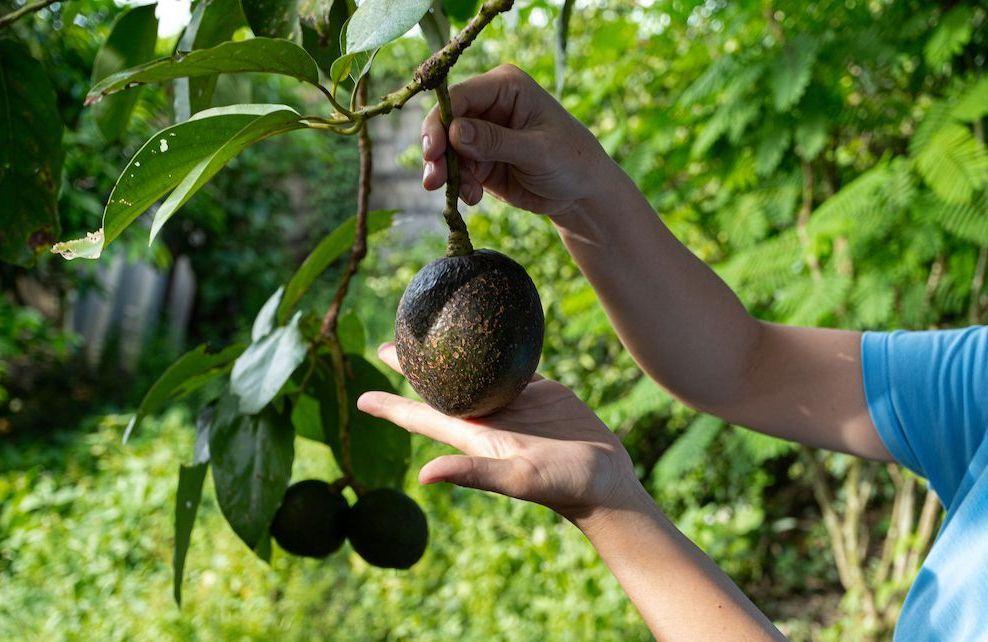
{"x":459,"y":239}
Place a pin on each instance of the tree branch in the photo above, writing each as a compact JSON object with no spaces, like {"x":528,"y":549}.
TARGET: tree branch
{"x":23,"y":11}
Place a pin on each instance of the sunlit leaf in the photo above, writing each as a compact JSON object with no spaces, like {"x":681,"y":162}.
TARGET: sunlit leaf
{"x":328,"y":250}
{"x":265,"y":319}
{"x":265,"y":366}
{"x":265,"y":55}
{"x":378,"y":22}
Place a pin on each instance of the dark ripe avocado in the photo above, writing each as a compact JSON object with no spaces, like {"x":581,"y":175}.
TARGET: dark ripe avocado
{"x":469,"y":332}
{"x":388,"y":529}
{"x":311,"y":520}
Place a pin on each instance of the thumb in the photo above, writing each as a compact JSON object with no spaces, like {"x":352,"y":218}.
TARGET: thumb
{"x":481,"y":140}
{"x":496,"y":475}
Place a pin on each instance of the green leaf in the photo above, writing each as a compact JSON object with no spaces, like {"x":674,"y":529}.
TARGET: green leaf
{"x":265,"y":366}
{"x":950,"y":36}
{"x":811,"y":136}
{"x":251,"y":457}
{"x":213,"y":22}
{"x":972,"y":104}
{"x":198,"y":363}
{"x":350,"y":330}
{"x":277,"y":121}
{"x":187,"y":497}
{"x":271,"y":18}
{"x":264,"y":322}
{"x":307,"y":420}
{"x":327,"y":251}
{"x":790,"y":74}
{"x":353,"y":66}
{"x":30,"y":156}
{"x":264,"y":55}
{"x":375,"y":23}
{"x":167,"y":158}
{"x":969,"y":221}
{"x":460,"y":10}
{"x":954,"y":163}
{"x":131,"y":41}
{"x":322,"y":26}
{"x":379,"y":451}
{"x":687,"y":452}
{"x":768,"y":154}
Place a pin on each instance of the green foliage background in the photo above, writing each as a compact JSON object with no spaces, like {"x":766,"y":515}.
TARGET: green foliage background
{"x":828,"y":158}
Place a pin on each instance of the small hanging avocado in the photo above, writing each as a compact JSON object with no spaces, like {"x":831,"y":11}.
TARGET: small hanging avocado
{"x":469,"y":332}
{"x":311,"y":520}
{"x":388,"y":529}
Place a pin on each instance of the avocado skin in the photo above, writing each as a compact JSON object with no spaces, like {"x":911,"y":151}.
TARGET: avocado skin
{"x":469,"y":332}
{"x":311,"y":520}
{"x":388,"y":529}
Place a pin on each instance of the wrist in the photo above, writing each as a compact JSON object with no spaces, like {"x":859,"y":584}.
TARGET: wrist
{"x":631,"y":499}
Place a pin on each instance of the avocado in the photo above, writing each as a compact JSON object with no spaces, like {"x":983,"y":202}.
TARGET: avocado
{"x":469,"y":332}
{"x":311,"y":520}
{"x":388,"y":529}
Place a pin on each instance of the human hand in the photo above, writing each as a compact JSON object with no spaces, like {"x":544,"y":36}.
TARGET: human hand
{"x":547,"y":447}
{"x":517,"y":142}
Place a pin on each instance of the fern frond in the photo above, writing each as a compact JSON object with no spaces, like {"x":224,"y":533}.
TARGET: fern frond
{"x":687,"y":452}
{"x":645,"y":398}
{"x":972,"y":104}
{"x":969,"y":221}
{"x":873,"y":301}
{"x":760,"y":448}
{"x":858,"y":199}
{"x":809,"y":301}
{"x":711,"y":82}
{"x":790,"y":73}
{"x":774,"y":143}
{"x":949,"y":37}
{"x":953,"y":163}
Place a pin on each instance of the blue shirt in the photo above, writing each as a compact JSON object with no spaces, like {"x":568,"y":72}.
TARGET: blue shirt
{"x":928,"y":396}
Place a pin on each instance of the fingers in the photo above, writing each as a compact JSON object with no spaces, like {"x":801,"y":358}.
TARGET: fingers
{"x":387,"y":353}
{"x":418,"y":418}
{"x":503,"y":476}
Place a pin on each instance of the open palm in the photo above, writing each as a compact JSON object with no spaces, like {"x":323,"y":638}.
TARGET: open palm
{"x":547,"y":446}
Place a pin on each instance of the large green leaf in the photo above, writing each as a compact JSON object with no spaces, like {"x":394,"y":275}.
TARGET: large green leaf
{"x":327,"y":251}
{"x":378,"y":22}
{"x":460,"y":10}
{"x":251,"y":457}
{"x":131,"y":42}
{"x":266,"y":365}
{"x":30,"y":156}
{"x":265,"y":320}
{"x":213,"y":22}
{"x":198,"y":364}
{"x":271,"y":18}
{"x":322,"y":25}
{"x":187,"y":497}
{"x":379,"y":450}
{"x":183,"y":155}
{"x":275,"y":122}
{"x":267,"y":55}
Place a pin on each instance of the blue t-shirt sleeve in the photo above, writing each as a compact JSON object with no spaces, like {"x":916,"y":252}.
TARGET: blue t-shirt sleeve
{"x":928,"y":396}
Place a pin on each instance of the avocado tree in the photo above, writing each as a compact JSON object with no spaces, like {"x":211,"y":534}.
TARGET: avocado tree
{"x":301,"y":372}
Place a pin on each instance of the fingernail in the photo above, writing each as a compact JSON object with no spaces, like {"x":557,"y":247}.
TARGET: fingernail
{"x":466,"y":132}
{"x":384,"y":347}
{"x":427,"y":170}
{"x":426,"y":145}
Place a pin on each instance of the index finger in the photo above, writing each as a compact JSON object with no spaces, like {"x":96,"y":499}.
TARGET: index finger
{"x":491,"y":96}
{"x":417,"y":417}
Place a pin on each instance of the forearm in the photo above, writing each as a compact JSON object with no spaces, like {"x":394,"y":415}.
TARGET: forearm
{"x":690,"y":333}
{"x":679,"y":591}
{"x":681,"y":323}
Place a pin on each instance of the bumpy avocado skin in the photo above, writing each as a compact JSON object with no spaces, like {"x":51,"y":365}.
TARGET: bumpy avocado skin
{"x":388,"y":529}
{"x":469,"y":332}
{"x":311,"y":520}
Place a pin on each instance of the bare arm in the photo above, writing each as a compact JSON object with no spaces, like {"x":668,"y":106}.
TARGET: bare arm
{"x":548,"y":447}
{"x":681,"y":323}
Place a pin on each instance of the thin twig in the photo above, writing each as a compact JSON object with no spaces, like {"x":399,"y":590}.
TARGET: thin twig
{"x":23,"y":11}
{"x":359,"y":249}
{"x":459,"y":239}
{"x":562,"y":42}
